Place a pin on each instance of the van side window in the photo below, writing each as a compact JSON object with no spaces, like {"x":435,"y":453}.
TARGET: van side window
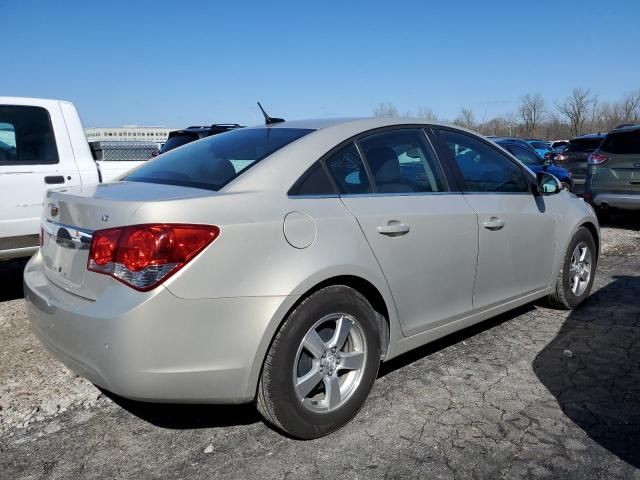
{"x":26,"y":136}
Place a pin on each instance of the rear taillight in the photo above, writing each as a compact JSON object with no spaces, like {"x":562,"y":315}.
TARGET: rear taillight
{"x":143,"y":256}
{"x":597,"y":158}
{"x":561,"y":157}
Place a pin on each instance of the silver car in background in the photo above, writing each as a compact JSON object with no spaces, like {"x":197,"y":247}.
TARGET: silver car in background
{"x":280,"y":264}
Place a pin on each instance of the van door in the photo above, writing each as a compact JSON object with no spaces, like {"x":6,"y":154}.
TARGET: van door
{"x":30,"y":163}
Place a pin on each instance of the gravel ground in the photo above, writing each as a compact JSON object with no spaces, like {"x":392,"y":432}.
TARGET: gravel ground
{"x":534,"y":393}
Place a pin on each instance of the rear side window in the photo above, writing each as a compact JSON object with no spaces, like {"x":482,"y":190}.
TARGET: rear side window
{"x":583,"y":145}
{"x":622,"y":143}
{"x":483,"y":168}
{"x":401,"y":162}
{"x":314,"y":182}
{"x":214,"y":161}
{"x":26,"y":136}
{"x":348,"y":171}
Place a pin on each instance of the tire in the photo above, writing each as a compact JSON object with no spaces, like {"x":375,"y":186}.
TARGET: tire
{"x":567,"y":186}
{"x":603,"y":214}
{"x":566,"y":294}
{"x":318,"y":413}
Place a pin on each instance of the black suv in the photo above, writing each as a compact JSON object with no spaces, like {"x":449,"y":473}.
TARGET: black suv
{"x":574,"y":158}
{"x":177,"y":138}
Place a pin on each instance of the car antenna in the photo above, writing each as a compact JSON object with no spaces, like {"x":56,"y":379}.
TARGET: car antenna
{"x":269,"y":120}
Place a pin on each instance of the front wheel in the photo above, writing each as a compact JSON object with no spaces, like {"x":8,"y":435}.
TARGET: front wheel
{"x":321,"y":365}
{"x":578,"y":270}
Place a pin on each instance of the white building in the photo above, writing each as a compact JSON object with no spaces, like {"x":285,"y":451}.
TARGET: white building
{"x":128,"y":133}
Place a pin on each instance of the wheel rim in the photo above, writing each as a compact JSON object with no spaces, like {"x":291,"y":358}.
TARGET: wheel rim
{"x":330,"y":362}
{"x":580,"y":269}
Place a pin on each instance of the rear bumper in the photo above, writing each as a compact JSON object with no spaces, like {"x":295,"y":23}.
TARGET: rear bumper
{"x":624,"y":201}
{"x":154,"y":346}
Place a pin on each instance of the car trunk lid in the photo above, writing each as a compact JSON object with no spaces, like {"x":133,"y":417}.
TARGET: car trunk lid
{"x":72,"y":215}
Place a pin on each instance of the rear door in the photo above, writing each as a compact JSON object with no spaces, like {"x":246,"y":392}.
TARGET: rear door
{"x":517,"y":231}
{"x":423,"y":235}
{"x":35,"y":155}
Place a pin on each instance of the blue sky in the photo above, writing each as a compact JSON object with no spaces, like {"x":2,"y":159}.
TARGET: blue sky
{"x":180,"y":63}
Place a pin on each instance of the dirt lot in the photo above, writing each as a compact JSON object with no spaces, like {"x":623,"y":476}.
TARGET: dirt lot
{"x":535,"y":393}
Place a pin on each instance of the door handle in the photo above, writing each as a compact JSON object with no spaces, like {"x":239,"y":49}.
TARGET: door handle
{"x":53,"y":179}
{"x":494,"y":223}
{"x":393,"y":229}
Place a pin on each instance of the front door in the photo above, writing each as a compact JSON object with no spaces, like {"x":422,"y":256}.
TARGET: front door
{"x":517,"y":230}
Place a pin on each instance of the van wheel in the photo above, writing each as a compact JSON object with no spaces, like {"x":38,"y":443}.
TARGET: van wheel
{"x":578,"y":270}
{"x":321,"y":365}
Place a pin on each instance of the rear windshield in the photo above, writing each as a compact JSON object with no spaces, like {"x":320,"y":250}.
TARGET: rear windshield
{"x":584,"y":144}
{"x":622,"y":143}
{"x":214,"y":161}
{"x":178,"y":140}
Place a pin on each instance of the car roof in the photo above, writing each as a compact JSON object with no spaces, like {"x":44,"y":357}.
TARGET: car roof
{"x":588,"y":136}
{"x":626,"y":128}
{"x":356,"y":123}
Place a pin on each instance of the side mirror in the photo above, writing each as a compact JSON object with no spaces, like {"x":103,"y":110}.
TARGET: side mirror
{"x":548,"y":184}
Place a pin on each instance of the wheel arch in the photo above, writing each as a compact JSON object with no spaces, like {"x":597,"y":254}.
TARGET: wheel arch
{"x":593,"y":229}
{"x":383,"y":307}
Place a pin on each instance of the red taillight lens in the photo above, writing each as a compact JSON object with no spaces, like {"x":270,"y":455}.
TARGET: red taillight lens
{"x":547,"y":156}
{"x":597,"y":158}
{"x":142,"y":256}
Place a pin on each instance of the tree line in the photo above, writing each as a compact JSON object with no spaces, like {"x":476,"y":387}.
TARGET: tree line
{"x":579,"y":113}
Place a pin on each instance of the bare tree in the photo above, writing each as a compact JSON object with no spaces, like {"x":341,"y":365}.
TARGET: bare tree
{"x":426,"y":113}
{"x":466,"y":119}
{"x":576,"y":109}
{"x":385,"y":109}
{"x":531,"y":110}
{"x":630,"y":107}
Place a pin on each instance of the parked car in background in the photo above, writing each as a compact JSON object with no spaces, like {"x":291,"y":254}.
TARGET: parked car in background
{"x":556,"y":145}
{"x":536,"y":163}
{"x":574,"y":158}
{"x":613,"y":177}
{"x":523,"y":143}
{"x":43,"y":146}
{"x":281,"y":264}
{"x":177,"y":138}
{"x":540,"y":146}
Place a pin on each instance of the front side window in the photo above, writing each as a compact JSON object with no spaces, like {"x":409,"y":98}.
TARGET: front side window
{"x":26,"y":136}
{"x":213,"y":162}
{"x":483,"y":168}
{"x":525,"y":156}
{"x":400,"y":161}
{"x":348,"y":171}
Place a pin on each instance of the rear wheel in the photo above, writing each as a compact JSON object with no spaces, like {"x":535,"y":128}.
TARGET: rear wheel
{"x":578,"y":270}
{"x":321,"y":364}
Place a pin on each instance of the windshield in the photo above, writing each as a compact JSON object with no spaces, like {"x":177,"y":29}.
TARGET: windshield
{"x":214,"y":161}
{"x":622,"y":143}
{"x":584,"y":144}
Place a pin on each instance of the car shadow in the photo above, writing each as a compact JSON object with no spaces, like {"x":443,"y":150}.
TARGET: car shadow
{"x":437,"y":345}
{"x":622,"y":219}
{"x":11,"y":278}
{"x":592,"y":367}
{"x":187,"y":416}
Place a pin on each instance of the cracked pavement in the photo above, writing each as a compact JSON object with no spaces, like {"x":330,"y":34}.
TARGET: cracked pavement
{"x":534,"y":393}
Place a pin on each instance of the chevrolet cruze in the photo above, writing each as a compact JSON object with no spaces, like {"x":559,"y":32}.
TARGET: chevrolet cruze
{"x":280,"y":264}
